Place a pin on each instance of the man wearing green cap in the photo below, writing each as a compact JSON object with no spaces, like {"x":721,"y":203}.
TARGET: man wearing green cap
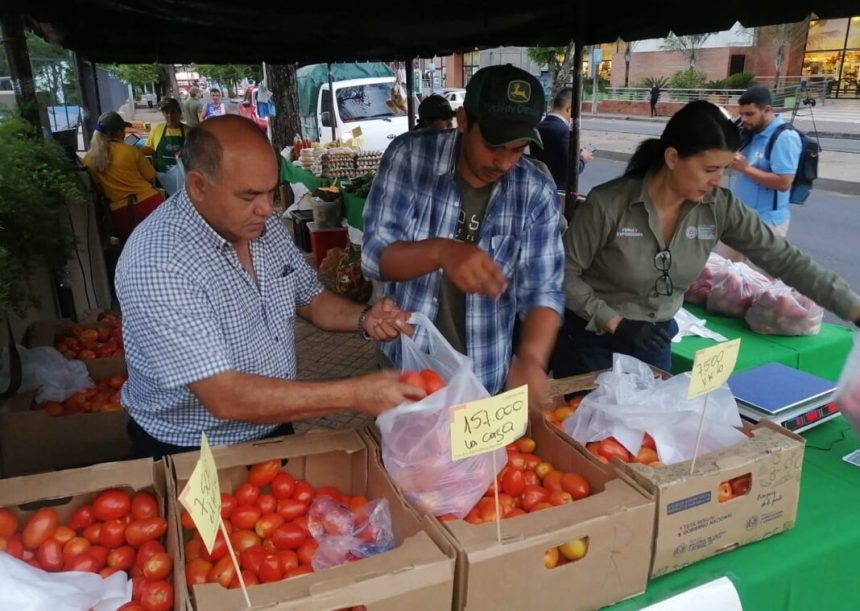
{"x":463,"y":229}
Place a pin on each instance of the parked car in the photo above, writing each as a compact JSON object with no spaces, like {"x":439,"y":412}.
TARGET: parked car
{"x":248,"y":108}
{"x":455,"y":97}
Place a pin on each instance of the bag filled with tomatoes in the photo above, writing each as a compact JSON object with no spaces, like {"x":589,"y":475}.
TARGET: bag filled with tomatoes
{"x":630,"y":401}
{"x":346,"y":536}
{"x":416,"y":440}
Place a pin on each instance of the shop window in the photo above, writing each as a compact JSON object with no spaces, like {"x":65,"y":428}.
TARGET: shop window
{"x":826,"y":34}
{"x":854,"y":34}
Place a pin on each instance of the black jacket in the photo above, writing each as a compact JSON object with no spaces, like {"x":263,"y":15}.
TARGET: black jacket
{"x":555,"y":134}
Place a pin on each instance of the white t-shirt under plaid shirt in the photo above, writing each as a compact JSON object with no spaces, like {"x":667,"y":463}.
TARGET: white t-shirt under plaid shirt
{"x":191,"y":311}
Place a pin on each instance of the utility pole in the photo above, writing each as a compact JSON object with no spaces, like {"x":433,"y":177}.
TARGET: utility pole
{"x":15,"y":45}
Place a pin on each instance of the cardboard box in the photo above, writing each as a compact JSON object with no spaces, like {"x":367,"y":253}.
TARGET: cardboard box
{"x":415,"y":575}
{"x":32,"y":441}
{"x":68,"y":490}
{"x":617,"y":518}
{"x":691,"y":523}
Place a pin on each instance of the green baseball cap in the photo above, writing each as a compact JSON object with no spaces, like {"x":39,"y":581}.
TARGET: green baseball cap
{"x":507,"y":103}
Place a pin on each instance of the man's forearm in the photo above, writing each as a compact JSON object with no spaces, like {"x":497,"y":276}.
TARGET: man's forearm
{"x":778,"y":182}
{"x":331,"y":312}
{"x":403,"y":261}
{"x":538,"y":335}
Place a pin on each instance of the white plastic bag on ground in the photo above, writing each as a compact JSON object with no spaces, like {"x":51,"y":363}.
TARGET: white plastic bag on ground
{"x":734,"y":288}
{"x":781,"y":310}
{"x":848,"y":393}
{"x":416,"y":438}
{"x":45,"y":369}
{"x":25,"y":588}
{"x":630,"y":402}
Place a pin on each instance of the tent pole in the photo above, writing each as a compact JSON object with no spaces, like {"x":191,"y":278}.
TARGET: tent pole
{"x":575,"y":123}
{"x":331,"y":111}
{"x":88,"y":85}
{"x":15,"y":44}
{"x":410,"y":93}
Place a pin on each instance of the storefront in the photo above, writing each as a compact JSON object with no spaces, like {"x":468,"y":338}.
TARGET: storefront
{"x":833,"y":50}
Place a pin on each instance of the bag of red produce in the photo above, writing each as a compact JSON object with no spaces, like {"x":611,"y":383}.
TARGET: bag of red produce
{"x":781,"y":310}
{"x":344,"y":535}
{"x":848,"y":393}
{"x":734,"y":287}
{"x":701,"y":287}
{"x":416,"y":437}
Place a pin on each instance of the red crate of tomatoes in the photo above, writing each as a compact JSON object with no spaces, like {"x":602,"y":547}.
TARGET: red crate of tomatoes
{"x":268,"y":489}
{"x":102,"y":519}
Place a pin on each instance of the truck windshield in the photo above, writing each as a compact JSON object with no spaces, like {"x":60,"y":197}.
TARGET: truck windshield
{"x":365,"y":102}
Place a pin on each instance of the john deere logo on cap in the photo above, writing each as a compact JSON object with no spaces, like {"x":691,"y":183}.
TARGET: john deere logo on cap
{"x":519,"y":91}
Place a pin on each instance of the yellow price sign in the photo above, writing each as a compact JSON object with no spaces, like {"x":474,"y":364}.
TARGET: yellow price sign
{"x":488,"y":424}
{"x":712,"y":367}
{"x":202,"y":495}
{"x":356,"y":132}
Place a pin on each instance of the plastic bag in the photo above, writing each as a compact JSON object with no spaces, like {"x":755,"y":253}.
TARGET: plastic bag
{"x":781,"y":310}
{"x":698,"y":292}
{"x":416,"y":439}
{"x":25,"y":588}
{"x":43,"y":368}
{"x":346,"y":536}
{"x":173,"y":180}
{"x":734,"y":288}
{"x":848,"y":392}
{"x":630,"y":402}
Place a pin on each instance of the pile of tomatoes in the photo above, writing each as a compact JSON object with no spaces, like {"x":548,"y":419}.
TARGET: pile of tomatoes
{"x":267,"y":521}
{"x":116,"y":532}
{"x":426,"y":379}
{"x":557,"y":415}
{"x":103,"y":397}
{"x":605,"y":450}
{"x":735,"y":487}
{"x":526,"y":483}
{"x":86,"y":344}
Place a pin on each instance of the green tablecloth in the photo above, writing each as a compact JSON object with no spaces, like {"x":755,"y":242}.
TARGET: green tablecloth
{"x":353,"y":207}
{"x":810,"y":567}
{"x":823,"y":354}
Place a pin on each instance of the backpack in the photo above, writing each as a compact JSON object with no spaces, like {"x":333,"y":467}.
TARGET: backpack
{"x":807,"y":165}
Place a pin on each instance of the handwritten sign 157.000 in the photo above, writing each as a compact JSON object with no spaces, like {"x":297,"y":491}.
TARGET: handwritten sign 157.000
{"x":488,"y":424}
{"x":202,"y":495}
{"x":712,"y":367}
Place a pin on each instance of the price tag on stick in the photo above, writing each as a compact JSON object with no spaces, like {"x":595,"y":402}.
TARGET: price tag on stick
{"x":488,"y":424}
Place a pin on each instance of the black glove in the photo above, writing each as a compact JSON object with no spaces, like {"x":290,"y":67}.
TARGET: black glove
{"x":639,"y":335}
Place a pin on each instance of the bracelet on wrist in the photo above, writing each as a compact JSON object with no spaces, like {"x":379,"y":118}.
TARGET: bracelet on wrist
{"x":362,"y":318}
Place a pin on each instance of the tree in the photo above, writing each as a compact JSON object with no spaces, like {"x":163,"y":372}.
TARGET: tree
{"x":167,"y":81}
{"x":137,"y":75}
{"x":558,"y":60}
{"x":230,"y":75}
{"x":786,"y":39}
{"x":281,"y":81}
{"x":52,"y":70}
{"x":628,"y":54}
{"x":688,"y":45}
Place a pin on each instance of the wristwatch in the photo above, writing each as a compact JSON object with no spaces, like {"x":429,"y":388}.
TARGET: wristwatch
{"x":362,"y":317}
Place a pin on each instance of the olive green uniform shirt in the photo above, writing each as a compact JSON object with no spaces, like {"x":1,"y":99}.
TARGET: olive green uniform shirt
{"x":615,"y":234}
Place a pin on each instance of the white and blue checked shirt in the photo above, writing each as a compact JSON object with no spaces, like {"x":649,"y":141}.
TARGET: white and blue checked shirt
{"x":414,"y":197}
{"x":191,"y":311}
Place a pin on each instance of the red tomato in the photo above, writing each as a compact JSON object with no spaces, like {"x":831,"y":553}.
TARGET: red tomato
{"x":725,"y":492}
{"x":148,"y":549}
{"x":304,"y":492}
{"x":228,"y":504}
{"x":576,"y":485}
{"x":143,"y":505}
{"x":122,"y":558}
{"x":144,"y":530}
{"x":414,"y":378}
{"x":245,"y":516}
{"x":74,"y":547}
{"x":8,"y":523}
{"x":357,"y":502}
{"x":267,"y":503}
{"x":303,"y":569}
{"x":248,"y":577}
{"x":530,"y":478}
{"x":431,"y":381}
{"x":187,"y":521}
{"x":532,"y":495}
{"x":251,"y":557}
{"x":243,"y":539}
{"x":263,"y":473}
{"x":82,"y":518}
{"x":513,"y":483}
{"x":112,"y":534}
{"x":64,"y":534}
{"x":107,"y":572}
{"x":557,"y":497}
{"x":194,"y":549}
{"x":247,"y":494}
{"x":288,"y":536}
{"x":222,"y":572}
{"x":100,"y":553}
{"x":331,"y":492}
{"x":137,"y":584}
{"x":267,"y":524}
{"x":271,"y":569}
{"x":307,"y":550}
{"x":552,"y":481}
{"x":50,"y":555}
{"x":283,"y":485}
{"x":157,"y":596}
{"x":86,"y":561}
{"x":111,"y":505}
{"x":610,"y":447}
{"x":532,"y":461}
{"x":289,"y":559}
{"x":40,"y":526}
{"x":131,"y":606}
{"x":516,"y":461}
{"x":741,"y":485}
{"x":14,"y":547}
{"x":219,"y":548}
{"x":158,"y":567}
{"x":526,"y":445}
{"x":197,"y":571}
{"x":648,"y":442}
{"x":302,"y":522}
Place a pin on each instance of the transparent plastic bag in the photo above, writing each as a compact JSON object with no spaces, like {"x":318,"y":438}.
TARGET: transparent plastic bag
{"x":698,"y":292}
{"x":781,"y":310}
{"x":848,"y":392}
{"x":629,"y":402}
{"x":44,"y":369}
{"x":416,"y":439}
{"x":346,"y":536}
{"x":734,"y":288}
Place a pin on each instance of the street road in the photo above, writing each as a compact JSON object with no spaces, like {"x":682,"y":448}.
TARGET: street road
{"x":827,"y":227}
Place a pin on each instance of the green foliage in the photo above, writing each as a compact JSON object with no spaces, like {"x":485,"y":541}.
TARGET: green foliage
{"x":52,"y":69}
{"x":650,"y":81}
{"x":230,"y":75}
{"x":545,"y":56}
{"x":740,"y":80}
{"x":35,"y":182}
{"x":718,"y":84}
{"x":688,"y":45}
{"x":688,"y":79}
{"x":137,"y":75}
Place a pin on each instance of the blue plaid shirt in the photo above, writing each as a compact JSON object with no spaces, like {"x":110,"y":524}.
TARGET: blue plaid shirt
{"x":191,"y":311}
{"x":414,"y":197}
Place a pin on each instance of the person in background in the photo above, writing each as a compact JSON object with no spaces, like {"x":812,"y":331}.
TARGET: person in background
{"x":639,"y":241}
{"x":193,"y":107}
{"x":764,"y":184}
{"x":210,"y":288}
{"x":654,"y":97}
{"x":464,"y":229}
{"x":123,"y":174}
{"x":435,"y":112}
{"x":555,"y":133}
{"x":166,"y":139}
{"x":214,"y":107}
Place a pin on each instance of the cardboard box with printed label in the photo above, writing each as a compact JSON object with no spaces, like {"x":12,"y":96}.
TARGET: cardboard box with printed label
{"x":696,"y":516}
{"x":617,"y":519}
{"x":32,"y":441}
{"x":415,"y":575}
{"x":68,"y":490}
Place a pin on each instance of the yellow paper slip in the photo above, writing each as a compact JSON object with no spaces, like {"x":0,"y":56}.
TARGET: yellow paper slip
{"x":488,"y":424}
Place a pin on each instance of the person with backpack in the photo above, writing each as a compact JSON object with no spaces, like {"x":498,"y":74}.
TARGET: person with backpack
{"x":765,"y":167}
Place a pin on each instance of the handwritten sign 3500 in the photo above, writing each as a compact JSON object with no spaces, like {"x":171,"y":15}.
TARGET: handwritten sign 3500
{"x":202,"y":495}
{"x":488,"y":424}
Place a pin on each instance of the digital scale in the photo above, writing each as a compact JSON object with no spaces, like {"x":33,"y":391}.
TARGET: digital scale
{"x":791,"y":398}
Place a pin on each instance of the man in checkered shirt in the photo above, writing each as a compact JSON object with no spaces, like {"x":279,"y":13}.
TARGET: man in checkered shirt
{"x":466,"y":231}
{"x":209,"y":286}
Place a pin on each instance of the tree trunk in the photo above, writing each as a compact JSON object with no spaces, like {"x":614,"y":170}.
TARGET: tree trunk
{"x":167,"y":81}
{"x":281,"y":80}
{"x":562,"y":76}
{"x":626,"y":72}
